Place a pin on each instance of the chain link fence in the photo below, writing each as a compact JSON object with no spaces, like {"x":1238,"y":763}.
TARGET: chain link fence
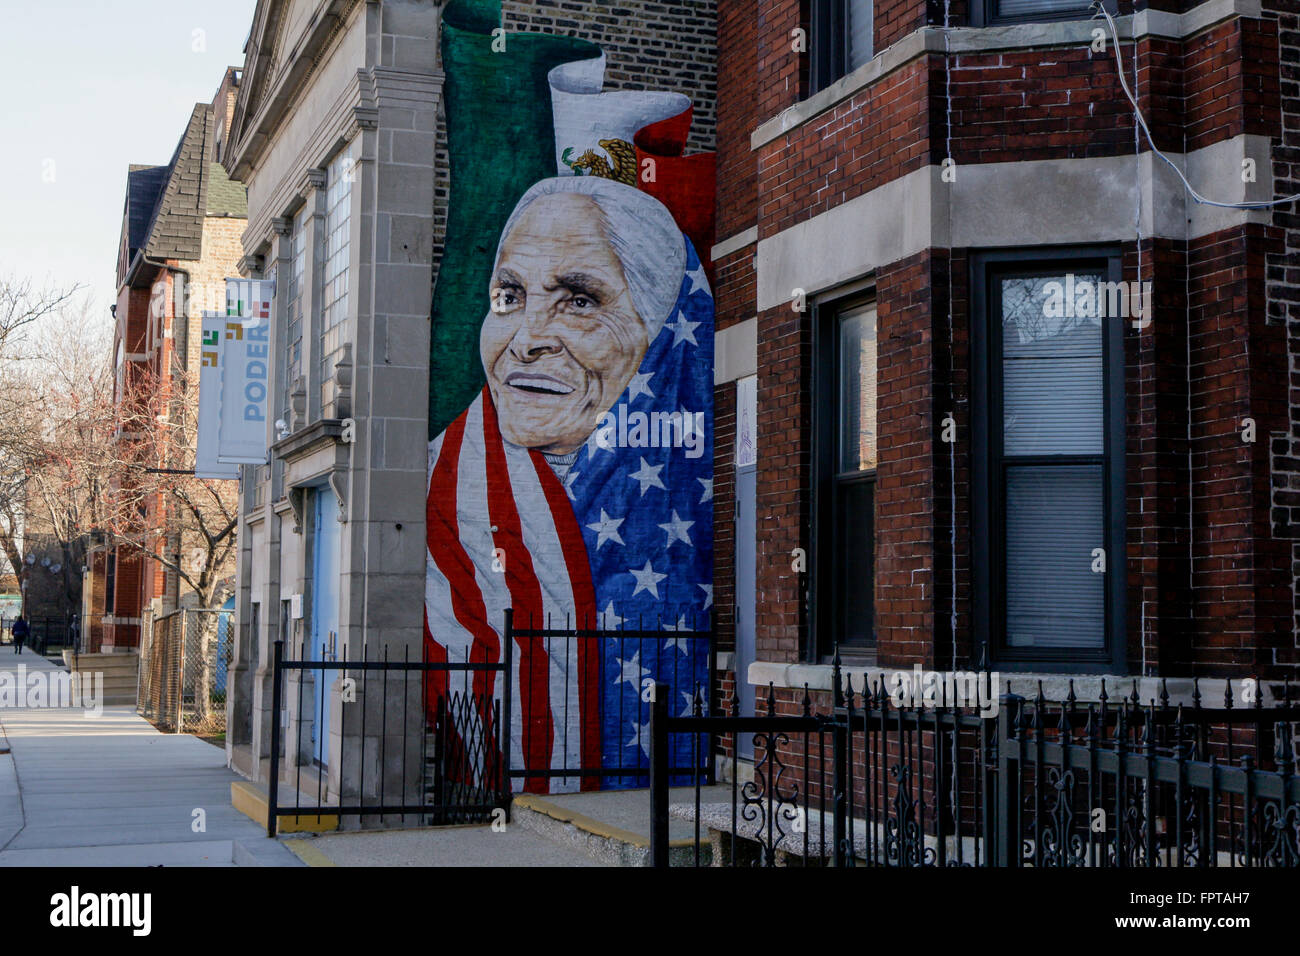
{"x":184,"y":658}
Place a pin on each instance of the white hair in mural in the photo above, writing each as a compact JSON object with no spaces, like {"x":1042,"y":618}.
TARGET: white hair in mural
{"x":642,"y":232}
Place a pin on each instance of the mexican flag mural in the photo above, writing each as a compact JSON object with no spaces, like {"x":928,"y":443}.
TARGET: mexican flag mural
{"x":571,"y":399}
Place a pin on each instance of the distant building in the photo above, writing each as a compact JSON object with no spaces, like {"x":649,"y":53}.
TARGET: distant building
{"x":181,"y":225}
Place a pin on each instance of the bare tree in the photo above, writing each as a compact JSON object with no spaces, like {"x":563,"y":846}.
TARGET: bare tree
{"x":22,"y":304}
{"x":154,"y":502}
{"x":53,"y":380}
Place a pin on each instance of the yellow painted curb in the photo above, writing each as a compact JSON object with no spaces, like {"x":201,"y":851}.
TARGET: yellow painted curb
{"x":308,"y":853}
{"x":531,"y":801}
{"x":250,"y":800}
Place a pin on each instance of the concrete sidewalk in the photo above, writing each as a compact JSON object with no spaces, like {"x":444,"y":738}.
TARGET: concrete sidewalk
{"x":110,"y":790}
{"x":437,"y":847}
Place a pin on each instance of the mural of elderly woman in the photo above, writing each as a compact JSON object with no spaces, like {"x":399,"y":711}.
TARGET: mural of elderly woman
{"x":577,"y":485}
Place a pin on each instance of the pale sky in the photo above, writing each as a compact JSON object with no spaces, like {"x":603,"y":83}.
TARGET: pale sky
{"x":91,"y":86}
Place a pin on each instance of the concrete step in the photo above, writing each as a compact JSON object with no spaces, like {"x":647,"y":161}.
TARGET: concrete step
{"x":251,"y":799}
{"x":602,"y":839}
{"x":116,"y":665}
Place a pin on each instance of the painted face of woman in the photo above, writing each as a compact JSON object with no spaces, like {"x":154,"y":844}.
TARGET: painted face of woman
{"x":563,"y":338}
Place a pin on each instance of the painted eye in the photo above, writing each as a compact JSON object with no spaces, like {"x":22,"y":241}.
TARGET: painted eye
{"x":504,"y":300}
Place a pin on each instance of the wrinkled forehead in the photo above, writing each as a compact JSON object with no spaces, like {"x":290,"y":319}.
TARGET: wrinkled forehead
{"x":559,"y":232}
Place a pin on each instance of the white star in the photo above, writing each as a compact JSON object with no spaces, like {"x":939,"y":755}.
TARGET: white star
{"x":682,"y":644}
{"x":676,"y":529}
{"x":708,"y":489}
{"x":708,"y":595}
{"x":699,"y":279}
{"x":594,"y":444}
{"x":629,"y":670}
{"x":641,"y":737}
{"x":689,"y":710}
{"x":606,"y":529}
{"x":647,"y":579}
{"x":609,"y":620}
{"x":649,"y":477}
{"x":640,"y":385}
{"x":568,"y":484}
{"x":683,"y":331}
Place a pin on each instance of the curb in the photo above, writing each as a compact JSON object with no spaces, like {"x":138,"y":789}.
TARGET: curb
{"x":308,"y":854}
{"x":267,"y":852}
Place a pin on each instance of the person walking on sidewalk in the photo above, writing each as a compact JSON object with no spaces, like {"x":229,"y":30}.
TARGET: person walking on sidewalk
{"x":20,"y":632}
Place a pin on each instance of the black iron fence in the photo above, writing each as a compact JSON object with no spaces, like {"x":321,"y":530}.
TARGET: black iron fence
{"x":46,"y":634}
{"x":582,"y":693}
{"x":423,"y":740}
{"x":880,"y":781}
{"x":447,"y":738}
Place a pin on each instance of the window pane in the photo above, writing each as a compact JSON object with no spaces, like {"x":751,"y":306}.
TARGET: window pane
{"x":860,"y":38}
{"x":1028,"y":9}
{"x":855,"y":506}
{"x":1054,"y":520}
{"x":1052,"y":399}
{"x":857,"y":391}
{"x":293,"y":336}
{"x":334,"y":311}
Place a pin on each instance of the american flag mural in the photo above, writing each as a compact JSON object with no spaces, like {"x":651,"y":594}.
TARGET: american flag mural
{"x":624,"y":540}
{"x":571,"y":401}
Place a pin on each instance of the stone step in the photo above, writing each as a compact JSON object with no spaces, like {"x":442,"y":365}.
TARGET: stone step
{"x":252,"y":800}
{"x":599,"y":839}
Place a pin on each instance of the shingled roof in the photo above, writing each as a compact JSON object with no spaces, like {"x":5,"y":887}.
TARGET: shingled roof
{"x":195,"y":187}
{"x":226,"y":197}
{"x":144,"y":184}
{"x":177,"y":228}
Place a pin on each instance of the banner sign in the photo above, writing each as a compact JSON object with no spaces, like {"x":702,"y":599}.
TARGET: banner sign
{"x":244,"y":364}
{"x":206,"y":464}
{"x":250,"y":299}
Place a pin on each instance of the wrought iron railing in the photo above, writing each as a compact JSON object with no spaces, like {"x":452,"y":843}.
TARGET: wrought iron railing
{"x":600,"y":752}
{"x":377,"y":737}
{"x":879,"y":781}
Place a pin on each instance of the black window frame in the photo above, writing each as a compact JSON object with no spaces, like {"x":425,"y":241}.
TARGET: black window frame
{"x":830,"y":43}
{"x":110,"y":580}
{"x":825,"y":580}
{"x":988,"y":538}
{"x":984,"y":13}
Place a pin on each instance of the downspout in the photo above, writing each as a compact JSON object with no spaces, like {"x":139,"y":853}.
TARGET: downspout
{"x":172,"y":270}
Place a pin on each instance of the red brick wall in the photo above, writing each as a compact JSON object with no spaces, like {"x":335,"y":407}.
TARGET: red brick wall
{"x":905,"y":478}
{"x":738,"y":90}
{"x":871,"y":138}
{"x":724,"y":514}
{"x":784,"y":367}
{"x":1213,"y":523}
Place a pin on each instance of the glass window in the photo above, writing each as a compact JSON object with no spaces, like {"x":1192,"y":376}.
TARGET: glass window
{"x":293,"y":328}
{"x":1049,"y":552}
{"x":857,"y":390}
{"x":336,"y":252}
{"x":847,"y":480}
{"x":840,"y":39}
{"x":989,"y":12}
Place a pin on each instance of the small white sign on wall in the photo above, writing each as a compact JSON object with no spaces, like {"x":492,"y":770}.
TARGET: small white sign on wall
{"x":747,"y":421}
{"x":295,"y":607}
